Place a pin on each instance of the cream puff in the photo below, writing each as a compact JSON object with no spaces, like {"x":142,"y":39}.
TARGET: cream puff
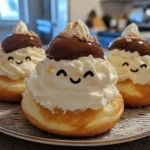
{"x":74,"y":92}
{"x":130,"y":55}
{"x":19,"y":53}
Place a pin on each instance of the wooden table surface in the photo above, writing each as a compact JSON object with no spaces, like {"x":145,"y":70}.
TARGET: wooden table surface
{"x":11,"y":143}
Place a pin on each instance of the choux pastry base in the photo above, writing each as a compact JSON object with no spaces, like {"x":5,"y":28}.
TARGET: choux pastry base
{"x":73,"y":123}
{"x":11,"y":90}
{"x":134,"y":95}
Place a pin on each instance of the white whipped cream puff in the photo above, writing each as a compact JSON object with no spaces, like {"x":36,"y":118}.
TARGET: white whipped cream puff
{"x":130,"y":55}
{"x":74,"y":91}
{"x":19,"y":53}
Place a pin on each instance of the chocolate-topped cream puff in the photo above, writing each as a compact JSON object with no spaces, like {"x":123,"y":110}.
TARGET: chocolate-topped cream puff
{"x":19,"y":53}
{"x":130,"y":55}
{"x":74,"y":92}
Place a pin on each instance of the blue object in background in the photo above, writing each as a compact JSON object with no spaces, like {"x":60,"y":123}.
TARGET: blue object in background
{"x":106,"y":37}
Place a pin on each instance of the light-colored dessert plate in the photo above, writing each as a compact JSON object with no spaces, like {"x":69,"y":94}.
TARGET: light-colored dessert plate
{"x":135,"y":124}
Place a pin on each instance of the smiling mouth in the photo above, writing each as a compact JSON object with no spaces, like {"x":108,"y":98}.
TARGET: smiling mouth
{"x":19,"y":62}
{"x":134,"y":70}
{"x":75,"y":82}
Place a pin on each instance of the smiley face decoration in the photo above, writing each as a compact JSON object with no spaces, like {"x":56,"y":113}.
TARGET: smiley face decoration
{"x":20,"y":52}
{"x":130,"y":55}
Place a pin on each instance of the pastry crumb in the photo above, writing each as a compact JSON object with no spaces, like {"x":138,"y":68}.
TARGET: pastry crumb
{"x":81,"y":37}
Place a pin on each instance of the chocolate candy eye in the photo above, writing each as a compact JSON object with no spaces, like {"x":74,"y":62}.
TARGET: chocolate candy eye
{"x":125,"y":64}
{"x":10,"y":58}
{"x":88,"y":73}
{"x":28,"y":58}
{"x":144,"y":65}
{"x":61,"y":72}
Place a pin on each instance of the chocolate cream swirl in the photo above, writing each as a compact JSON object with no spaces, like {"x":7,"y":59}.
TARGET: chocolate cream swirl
{"x":136,"y":45}
{"x":70,"y":48}
{"x":21,"y":38}
{"x":131,"y":41}
{"x":18,"y":41}
{"x":74,"y":42}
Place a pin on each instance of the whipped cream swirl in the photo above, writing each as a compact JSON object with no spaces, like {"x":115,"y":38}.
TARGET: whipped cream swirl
{"x":53,"y":90}
{"x":20,"y":27}
{"x":19,"y":64}
{"x":78,"y":28}
{"x":137,"y":68}
{"x":131,"y":29}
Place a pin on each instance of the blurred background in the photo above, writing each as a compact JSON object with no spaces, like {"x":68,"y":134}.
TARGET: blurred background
{"x":105,"y":18}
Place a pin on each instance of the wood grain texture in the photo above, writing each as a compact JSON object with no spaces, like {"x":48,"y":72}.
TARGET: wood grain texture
{"x":133,"y":122}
